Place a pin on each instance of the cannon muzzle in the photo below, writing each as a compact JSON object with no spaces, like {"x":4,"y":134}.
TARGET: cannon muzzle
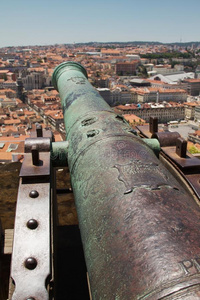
{"x":139,"y":227}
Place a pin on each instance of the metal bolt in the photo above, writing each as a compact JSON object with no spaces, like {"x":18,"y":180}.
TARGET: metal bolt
{"x":35,"y":155}
{"x":32,"y":224}
{"x":30,"y":298}
{"x":39,"y":131}
{"x":33,"y":194}
{"x":153,"y":124}
{"x":31,"y":263}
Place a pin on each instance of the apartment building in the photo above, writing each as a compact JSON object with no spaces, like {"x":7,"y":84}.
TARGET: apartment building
{"x":190,"y":110}
{"x":110,"y":52}
{"x":197,"y":113}
{"x":164,"y":113}
{"x":10,"y":84}
{"x":193,"y":86}
{"x":155,"y":94}
{"x":5,"y":102}
{"x":168,"y":70}
{"x":35,"y":80}
{"x":54,"y":118}
{"x":126,"y":68}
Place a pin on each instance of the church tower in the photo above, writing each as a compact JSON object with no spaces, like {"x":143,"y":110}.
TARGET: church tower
{"x":20,"y":89}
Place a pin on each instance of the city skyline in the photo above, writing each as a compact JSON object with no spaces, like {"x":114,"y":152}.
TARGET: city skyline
{"x":50,"y":22}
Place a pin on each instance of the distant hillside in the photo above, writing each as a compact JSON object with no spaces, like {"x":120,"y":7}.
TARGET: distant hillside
{"x":137,"y":43}
{"x":106,"y":45}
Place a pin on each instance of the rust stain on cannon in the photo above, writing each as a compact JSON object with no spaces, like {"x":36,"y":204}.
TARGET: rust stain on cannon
{"x":140,"y":229}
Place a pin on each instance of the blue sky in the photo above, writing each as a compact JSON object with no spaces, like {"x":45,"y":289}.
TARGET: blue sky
{"x":43,"y":22}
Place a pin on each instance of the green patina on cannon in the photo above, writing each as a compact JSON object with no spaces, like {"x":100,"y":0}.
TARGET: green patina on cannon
{"x":139,"y":227}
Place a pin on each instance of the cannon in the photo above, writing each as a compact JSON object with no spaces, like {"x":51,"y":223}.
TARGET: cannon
{"x":140,"y":228}
{"x":139,"y":225}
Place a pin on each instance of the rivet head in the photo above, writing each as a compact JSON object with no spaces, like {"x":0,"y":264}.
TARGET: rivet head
{"x":30,"y":298}
{"x":32,"y":224}
{"x":31,"y":263}
{"x":34,"y":194}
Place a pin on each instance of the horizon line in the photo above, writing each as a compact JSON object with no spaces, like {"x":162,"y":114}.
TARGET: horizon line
{"x":95,"y":42}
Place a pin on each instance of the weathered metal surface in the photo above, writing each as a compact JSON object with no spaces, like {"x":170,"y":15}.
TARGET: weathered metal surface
{"x":181,"y":147}
{"x":35,"y":155}
{"x":59,"y":153}
{"x":189,"y":162}
{"x":166,"y":138}
{"x":31,"y":256}
{"x":30,"y":170}
{"x":140,"y":229}
{"x":133,"y":221}
{"x":78,"y":92}
{"x":153,"y":144}
{"x":148,"y":130}
{"x":153,"y":124}
{"x":194,"y":181}
{"x":190,"y":174}
{"x":185,"y":163}
{"x":31,"y":250}
{"x":144,"y":131}
{"x":43,"y":144}
{"x":39,"y":132}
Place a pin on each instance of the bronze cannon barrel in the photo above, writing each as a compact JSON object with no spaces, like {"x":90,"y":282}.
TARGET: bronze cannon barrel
{"x":140,"y":229}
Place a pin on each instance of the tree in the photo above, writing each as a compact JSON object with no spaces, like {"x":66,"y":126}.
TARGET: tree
{"x":142,"y":71}
{"x":193,"y":150}
{"x":5,"y":77}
